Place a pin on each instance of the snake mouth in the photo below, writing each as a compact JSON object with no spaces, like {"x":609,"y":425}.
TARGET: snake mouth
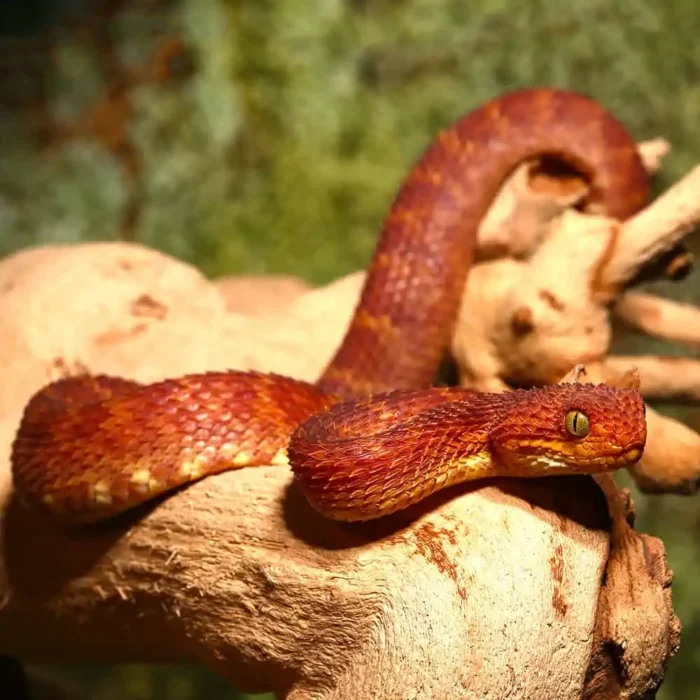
{"x":632,"y":455}
{"x":549,"y":461}
{"x":621,"y":458}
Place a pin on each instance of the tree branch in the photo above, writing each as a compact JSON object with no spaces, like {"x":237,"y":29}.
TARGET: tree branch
{"x":655,"y":229}
{"x":661,"y":318}
{"x":238,"y":573}
{"x":666,"y":378}
{"x":485,"y":590}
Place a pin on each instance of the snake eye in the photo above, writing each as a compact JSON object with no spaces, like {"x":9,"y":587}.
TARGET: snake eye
{"x":577,"y":424}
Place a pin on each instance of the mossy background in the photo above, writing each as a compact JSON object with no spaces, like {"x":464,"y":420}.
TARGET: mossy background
{"x":280,"y":148}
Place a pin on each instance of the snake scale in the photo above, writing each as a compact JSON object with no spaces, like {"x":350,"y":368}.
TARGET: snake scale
{"x":371,"y":436}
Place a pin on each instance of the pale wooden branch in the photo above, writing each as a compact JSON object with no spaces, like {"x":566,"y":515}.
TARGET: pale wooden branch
{"x":531,"y":320}
{"x":531,"y":199}
{"x":655,"y":229}
{"x":525,"y":208}
{"x":666,"y":378}
{"x":653,"y":152}
{"x":671,"y":460}
{"x":661,"y":318}
{"x":489,"y":591}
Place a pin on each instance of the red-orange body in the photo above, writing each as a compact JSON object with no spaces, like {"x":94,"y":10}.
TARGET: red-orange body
{"x":406,"y":314}
{"x":88,"y":448}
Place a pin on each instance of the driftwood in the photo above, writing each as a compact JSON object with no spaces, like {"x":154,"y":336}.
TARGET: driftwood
{"x":260,"y":294}
{"x":523,"y":589}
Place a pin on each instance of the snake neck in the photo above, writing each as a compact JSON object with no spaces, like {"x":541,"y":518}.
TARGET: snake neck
{"x":368,"y":458}
{"x":403,"y":323}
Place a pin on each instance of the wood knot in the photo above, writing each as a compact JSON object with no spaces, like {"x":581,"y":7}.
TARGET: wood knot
{"x":629,"y":507}
{"x":147,"y":306}
{"x":551,"y":300}
{"x":680,"y":266}
{"x":522,"y":321}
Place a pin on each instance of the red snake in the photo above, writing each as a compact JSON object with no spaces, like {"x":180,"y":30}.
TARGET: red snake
{"x":370,"y":436}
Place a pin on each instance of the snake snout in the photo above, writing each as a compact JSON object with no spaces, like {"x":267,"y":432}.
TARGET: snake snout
{"x":571,"y":429}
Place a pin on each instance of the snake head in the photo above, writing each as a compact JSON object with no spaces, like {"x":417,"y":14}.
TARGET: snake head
{"x":565,"y":428}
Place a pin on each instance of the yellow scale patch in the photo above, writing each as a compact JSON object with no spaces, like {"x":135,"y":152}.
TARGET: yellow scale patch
{"x":196,"y":468}
{"x":478,"y":464}
{"x":241,"y":459}
{"x":191,"y":469}
{"x":545,"y":461}
{"x":100,"y":493}
{"x":280,"y":459}
{"x":143,"y":479}
{"x":498,"y":118}
{"x":372,"y":322}
{"x":462,"y":150}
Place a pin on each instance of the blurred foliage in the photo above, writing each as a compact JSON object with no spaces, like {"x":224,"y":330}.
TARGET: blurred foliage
{"x":132,"y":682}
{"x":273,"y":142}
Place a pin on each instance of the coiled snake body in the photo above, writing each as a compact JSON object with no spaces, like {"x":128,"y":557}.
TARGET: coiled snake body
{"x":371,"y":436}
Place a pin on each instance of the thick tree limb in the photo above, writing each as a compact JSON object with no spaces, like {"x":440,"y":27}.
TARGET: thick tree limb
{"x":671,"y":461}
{"x":486,"y":591}
{"x":655,"y":229}
{"x":661,"y":318}
{"x":667,"y":378}
{"x":238,"y":573}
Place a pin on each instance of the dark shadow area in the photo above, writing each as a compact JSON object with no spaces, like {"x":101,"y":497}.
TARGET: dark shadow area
{"x":576,"y":498}
{"x":13,"y":680}
{"x":58,"y":552}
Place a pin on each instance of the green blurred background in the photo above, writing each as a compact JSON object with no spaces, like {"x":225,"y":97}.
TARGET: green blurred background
{"x":252,"y":136}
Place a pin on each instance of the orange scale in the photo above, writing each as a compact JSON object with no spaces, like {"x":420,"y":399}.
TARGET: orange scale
{"x":201,"y":435}
{"x":220,"y":430}
{"x":207,"y":424}
{"x":168,"y":428}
